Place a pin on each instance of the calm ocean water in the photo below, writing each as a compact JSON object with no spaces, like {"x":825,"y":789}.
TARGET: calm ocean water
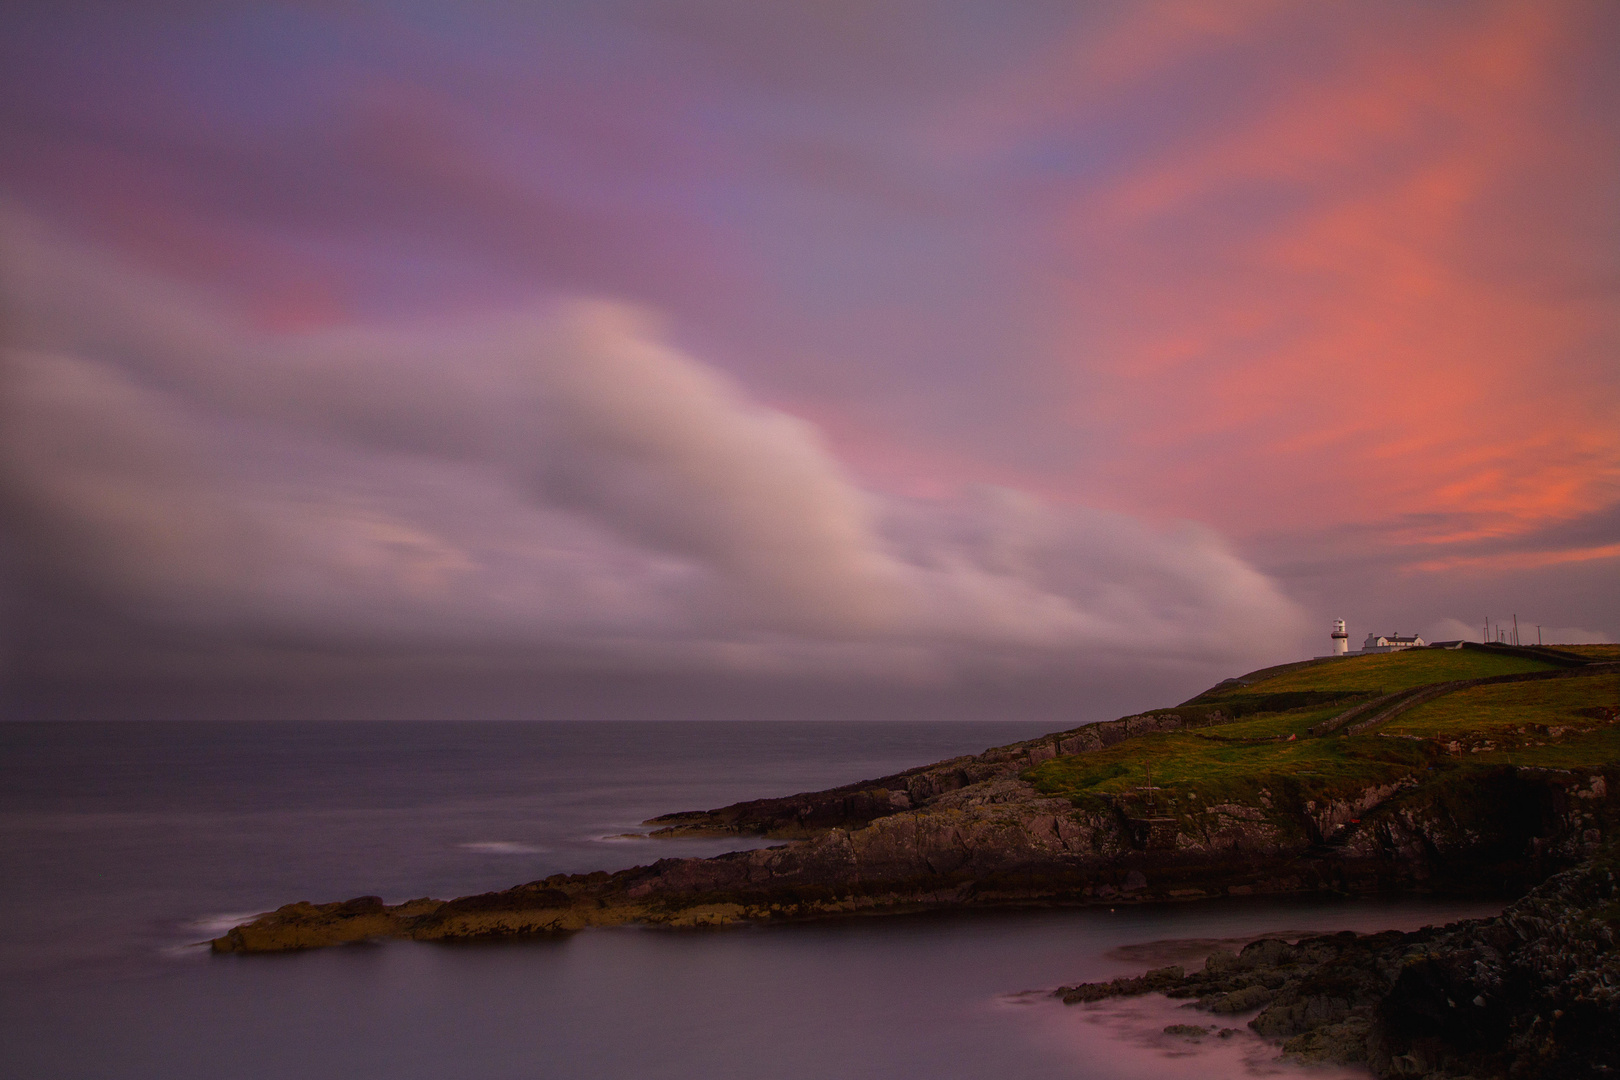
{"x":122,"y":845}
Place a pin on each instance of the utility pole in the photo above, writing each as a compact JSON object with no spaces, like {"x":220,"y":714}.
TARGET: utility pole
{"x":1515,"y":629}
{"x":1538,"y":633}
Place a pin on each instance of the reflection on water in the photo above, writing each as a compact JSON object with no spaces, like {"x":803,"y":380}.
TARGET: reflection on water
{"x":120,"y":843}
{"x":1130,"y":1034}
{"x":1143,"y":1036}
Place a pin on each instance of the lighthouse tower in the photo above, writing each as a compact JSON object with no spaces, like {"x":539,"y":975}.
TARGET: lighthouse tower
{"x":1341,"y":638}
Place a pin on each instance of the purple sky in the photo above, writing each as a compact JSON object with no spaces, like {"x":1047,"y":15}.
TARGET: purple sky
{"x":775,"y":359}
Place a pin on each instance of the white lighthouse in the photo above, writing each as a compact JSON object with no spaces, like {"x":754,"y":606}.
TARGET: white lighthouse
{"x":1341,"y":638}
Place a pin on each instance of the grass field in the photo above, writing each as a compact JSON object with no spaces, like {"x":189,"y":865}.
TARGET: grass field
{"x":1524,"y":713}
{"x":1594,"y":652}
{"x":1198,"y":768}
{"x":1386,"y":673}
{"x":1557,"y":723}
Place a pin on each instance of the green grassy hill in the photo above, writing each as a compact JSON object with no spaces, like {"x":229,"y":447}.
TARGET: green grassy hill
{"x":1380,"y":673}
{"x":1269,"y":755}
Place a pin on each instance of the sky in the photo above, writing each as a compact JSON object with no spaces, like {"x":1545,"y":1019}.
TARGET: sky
{"x":823,"y":359}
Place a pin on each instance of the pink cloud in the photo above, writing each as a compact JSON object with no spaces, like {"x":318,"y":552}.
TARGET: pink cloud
{"x":1292,"y":322}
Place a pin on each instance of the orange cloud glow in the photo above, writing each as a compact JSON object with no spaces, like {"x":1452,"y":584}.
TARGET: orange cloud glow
{"x":1372,"y":301}
{"x":1519,"y":560}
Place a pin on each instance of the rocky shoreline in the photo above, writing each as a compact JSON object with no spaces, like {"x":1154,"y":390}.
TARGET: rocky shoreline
{"x":974,"y":832}
{"x":1533,"y":993}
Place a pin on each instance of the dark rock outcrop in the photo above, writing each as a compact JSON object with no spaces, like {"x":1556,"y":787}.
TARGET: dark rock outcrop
{"x":1533,"y":993}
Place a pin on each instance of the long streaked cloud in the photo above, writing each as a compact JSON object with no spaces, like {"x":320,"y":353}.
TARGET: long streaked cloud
{"x":558,"y":477}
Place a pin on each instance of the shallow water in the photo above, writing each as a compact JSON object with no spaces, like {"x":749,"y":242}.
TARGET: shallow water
{"x":125,"y":843}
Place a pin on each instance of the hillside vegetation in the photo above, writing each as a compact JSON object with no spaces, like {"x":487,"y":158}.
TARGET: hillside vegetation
{"x":1380,"y":673}
{"x":1270,"y":756}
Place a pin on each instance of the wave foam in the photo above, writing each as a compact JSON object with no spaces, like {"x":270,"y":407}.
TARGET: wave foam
{"x":215,"y":925}
{"x":501,"y":847}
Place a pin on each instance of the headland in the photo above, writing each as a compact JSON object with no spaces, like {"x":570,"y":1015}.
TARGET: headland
{"x":1481,"y":771}
{"x":1473,"y":771}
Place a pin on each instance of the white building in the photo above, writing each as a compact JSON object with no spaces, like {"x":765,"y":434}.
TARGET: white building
{"x":1391,"y":643}
{"x":1375,"y":643}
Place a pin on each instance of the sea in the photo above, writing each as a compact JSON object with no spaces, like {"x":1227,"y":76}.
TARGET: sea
{"x":125,"y":846}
